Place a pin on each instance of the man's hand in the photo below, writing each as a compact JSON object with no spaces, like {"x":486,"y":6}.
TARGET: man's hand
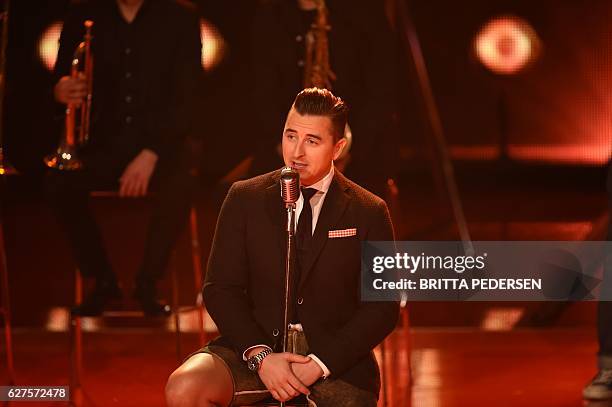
{"x":135,"y":178}
{"x":307,"y":373}
{"x":70,"y":90}
{"x":275,"y":372}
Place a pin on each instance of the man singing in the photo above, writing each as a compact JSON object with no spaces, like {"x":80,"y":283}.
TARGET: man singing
{"x":333,"y":330}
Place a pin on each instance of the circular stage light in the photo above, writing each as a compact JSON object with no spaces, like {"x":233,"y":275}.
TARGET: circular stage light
{"x":49,"y":44}
{"x":506,"y":45}
{"x":213,"y":45}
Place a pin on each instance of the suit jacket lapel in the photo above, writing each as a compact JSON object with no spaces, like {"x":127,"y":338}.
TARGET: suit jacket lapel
{"x":276,"y":211}
{"x":334,"y":206}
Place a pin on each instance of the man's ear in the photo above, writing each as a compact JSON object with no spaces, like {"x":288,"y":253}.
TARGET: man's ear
{"x":340,"y":144}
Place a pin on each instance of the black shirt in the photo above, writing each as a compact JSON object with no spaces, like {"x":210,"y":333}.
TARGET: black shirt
{"x":146,"y":74}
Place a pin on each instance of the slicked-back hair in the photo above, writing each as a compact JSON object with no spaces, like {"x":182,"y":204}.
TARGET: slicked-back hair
{"x":321,"y":102}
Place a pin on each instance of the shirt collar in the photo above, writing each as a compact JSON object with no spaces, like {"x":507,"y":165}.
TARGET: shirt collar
{"x":324,"y":183}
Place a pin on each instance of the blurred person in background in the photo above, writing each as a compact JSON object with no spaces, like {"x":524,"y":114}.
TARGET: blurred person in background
{"x":146,"y":75}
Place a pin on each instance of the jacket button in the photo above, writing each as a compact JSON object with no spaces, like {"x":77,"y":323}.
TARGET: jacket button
{"x":275,"y":332}
{"x":300,"y":301}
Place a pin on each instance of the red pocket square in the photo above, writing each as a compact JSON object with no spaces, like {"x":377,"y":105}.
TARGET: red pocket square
{"x":342,"y":233}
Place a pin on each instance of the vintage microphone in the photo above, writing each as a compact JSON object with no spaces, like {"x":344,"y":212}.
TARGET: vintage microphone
{"x":290,"y":191}
{"x":290,"y":186}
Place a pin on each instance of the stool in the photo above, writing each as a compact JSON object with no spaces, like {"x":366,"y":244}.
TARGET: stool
{"x":76,"y":321}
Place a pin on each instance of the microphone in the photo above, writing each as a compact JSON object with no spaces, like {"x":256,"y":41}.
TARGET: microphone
{"x":290,"y":186}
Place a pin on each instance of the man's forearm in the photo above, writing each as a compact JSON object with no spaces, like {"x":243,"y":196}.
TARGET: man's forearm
{"x":230,"y":310}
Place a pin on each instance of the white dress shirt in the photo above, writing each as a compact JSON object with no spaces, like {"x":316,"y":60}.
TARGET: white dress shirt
{"x":316,"y":202}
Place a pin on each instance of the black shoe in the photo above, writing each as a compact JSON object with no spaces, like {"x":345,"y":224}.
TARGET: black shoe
{"x":146,"y":295}
{"x":600,"y":387}
{"x":154,"y":308}
{"x":93,"y":305}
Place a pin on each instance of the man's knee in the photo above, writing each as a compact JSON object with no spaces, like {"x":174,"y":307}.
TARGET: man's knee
{"x":200,"y":381}
{"x":182,"y":389}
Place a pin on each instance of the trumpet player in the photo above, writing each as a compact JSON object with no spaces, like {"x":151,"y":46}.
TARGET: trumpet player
{"x":146,"y":72}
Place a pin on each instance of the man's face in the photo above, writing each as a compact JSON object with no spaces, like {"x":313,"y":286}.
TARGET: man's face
{"x":308,"y":146}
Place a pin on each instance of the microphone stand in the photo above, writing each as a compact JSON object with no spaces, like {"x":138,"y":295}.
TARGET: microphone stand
{"x":290,"y":243}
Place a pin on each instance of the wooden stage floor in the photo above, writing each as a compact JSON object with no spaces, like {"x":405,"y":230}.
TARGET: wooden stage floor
{"x":450,"y":367}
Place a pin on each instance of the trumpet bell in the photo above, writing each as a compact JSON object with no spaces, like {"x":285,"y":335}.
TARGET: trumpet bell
{"x":65,"y":159}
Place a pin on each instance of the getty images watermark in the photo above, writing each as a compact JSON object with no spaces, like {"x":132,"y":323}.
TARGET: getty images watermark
{"x":486,"y":271}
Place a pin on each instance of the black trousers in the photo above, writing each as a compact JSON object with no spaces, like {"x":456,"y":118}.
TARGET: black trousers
{"x":171,"y":190}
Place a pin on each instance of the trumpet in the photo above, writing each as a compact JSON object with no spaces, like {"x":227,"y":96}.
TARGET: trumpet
{"x":66,"y":156}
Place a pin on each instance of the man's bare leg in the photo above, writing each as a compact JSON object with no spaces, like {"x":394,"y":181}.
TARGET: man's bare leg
{"x":202,"y":381}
